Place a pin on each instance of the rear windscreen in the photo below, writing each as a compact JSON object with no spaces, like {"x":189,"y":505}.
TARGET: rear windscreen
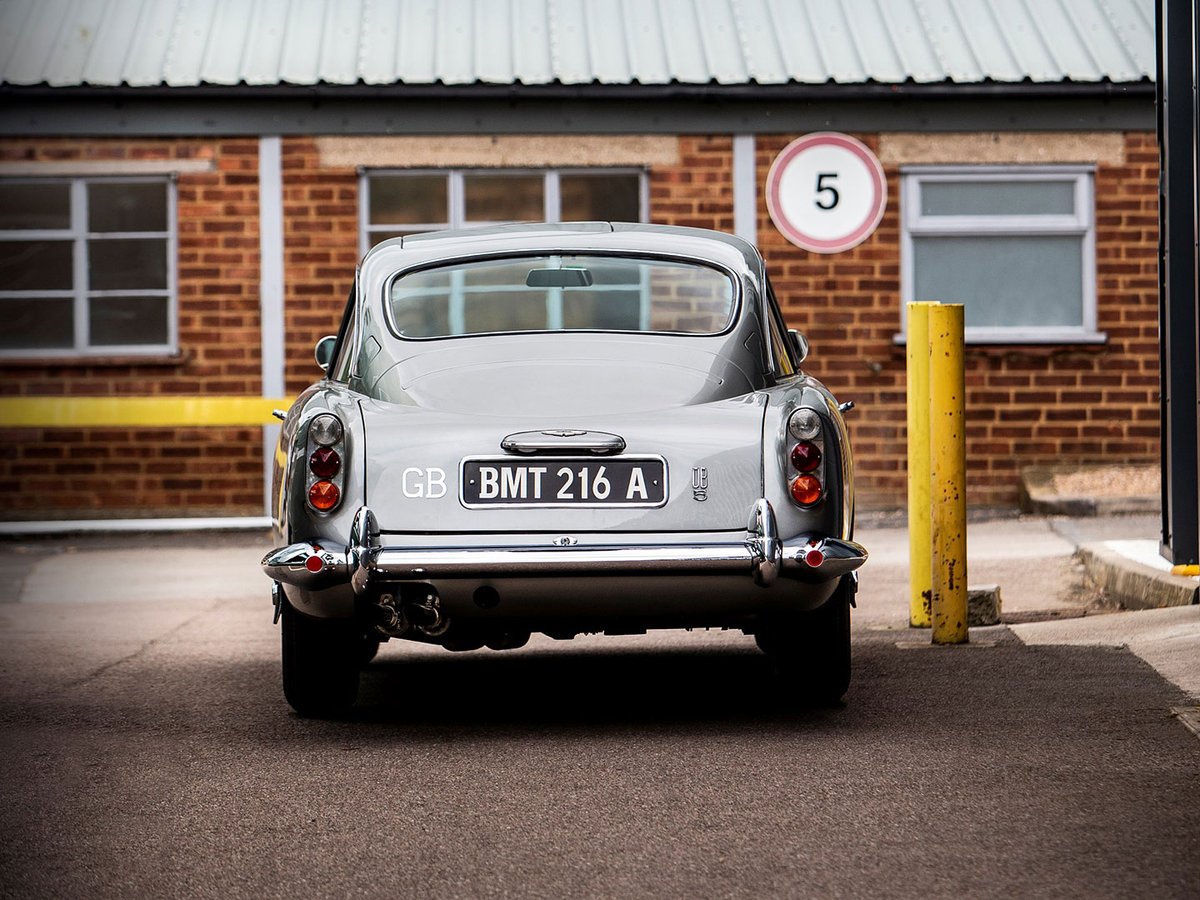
{"x":561,"y":293}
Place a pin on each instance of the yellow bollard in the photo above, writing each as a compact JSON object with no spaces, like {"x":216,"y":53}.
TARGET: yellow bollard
{"x":920,"y":547}
{"x":948,"y":482}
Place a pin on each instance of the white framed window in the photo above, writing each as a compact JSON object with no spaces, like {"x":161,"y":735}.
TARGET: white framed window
{"x":1016,"y":245}
{"x":395,"y":202}
{"x":87,"y":266}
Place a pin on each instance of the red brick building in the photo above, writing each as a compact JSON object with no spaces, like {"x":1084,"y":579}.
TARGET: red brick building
{"x":183,"y":199}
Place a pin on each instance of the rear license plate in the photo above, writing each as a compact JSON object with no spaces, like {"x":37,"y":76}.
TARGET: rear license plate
{"x":564,"y":481}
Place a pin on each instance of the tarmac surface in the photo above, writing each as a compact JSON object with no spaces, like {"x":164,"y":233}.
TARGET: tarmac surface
{"x":148,"y":750}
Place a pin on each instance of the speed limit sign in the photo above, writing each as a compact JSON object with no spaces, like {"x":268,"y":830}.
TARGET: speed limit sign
{"x":826,"y":192}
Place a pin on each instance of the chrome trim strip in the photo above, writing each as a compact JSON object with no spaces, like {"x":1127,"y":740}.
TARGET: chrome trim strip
{"x":762,"y":556}
{"x":841,"y":557}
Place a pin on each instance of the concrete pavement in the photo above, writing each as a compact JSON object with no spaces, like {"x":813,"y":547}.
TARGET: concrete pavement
{"x":149,"y":751}
{"x":1049,"y":595}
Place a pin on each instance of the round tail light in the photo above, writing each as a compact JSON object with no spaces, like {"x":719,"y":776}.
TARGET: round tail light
{"x":804,"y":424}
{"x":806,"y":457}
{"x":325,"y":430}
{"x":324,"y":495}
{"x":324,"y":462}
{"x":806,"y":490}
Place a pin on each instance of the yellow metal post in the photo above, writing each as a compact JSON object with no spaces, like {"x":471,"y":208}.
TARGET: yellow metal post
{"x":948,"y":481}
{"x":920,"y":546}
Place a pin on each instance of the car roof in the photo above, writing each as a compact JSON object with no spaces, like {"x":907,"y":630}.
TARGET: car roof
{"x":575,"y":236}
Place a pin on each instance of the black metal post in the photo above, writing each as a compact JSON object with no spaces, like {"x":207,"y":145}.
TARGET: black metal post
{"x":1178,"y":306}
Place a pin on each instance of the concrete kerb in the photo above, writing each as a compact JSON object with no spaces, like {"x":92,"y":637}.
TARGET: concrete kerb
{"x":1130,"y":577}
{"x":1040,"y":496}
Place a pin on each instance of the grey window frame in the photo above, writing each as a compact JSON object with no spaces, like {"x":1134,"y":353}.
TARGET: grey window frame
{"x":80,"y":291}
{"x":456,"y":195}
{"x":1082,"y":225}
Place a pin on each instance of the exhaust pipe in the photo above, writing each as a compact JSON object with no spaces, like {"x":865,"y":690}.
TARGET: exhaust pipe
{"x":396,"y":616}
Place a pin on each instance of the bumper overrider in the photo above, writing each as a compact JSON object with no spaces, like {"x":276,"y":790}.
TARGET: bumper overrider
{"x":761,"y":555}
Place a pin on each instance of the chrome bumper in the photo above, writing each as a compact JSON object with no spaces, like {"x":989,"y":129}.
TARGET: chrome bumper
{"x":760,"y":555}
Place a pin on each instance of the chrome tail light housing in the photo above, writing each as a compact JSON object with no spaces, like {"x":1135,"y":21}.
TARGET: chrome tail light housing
{"x":325,"y":462}
{"x":805,"y":448}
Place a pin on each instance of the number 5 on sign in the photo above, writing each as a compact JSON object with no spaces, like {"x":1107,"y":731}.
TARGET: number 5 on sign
{"x":826,"y":192}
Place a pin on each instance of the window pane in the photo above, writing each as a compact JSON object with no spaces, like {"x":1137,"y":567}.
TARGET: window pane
{"x":1003,"y":281}
{"x":401,"y":199}
{"x":604,"y":198}
{"x":513,"y":311}
{"x":114,"y":206}
{"x":997,"y":198}
{"x":36,"y":323}
{"x":114,"y":321}
{"x":608,"y":311}
{"x":681,"y":301}
{"x":35,"y":205}
{"x":626,"y":294}
{"x":502,"y":274}
{"x":35,"y":266}
{"x":421,"y":316}
{"x":504,"y":198}
{"x":127,"y":264}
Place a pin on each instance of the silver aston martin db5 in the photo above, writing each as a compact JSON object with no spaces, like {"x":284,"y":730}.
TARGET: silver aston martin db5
{"x":562,"y":429}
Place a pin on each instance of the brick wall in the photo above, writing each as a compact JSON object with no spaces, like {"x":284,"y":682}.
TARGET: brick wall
{"x":156,"y":471}
{"x":1026,"y":405}
{"x":320,"y":234}
{"x":698,"y":191}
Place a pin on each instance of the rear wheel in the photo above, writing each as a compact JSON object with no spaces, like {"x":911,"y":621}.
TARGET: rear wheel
{"x":811,"y":650}
{"x":321,"y":659}
{"x":368,"y":647}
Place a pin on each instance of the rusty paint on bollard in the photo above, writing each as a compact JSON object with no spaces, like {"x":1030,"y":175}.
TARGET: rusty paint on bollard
{"x":948,"y":496}
{"x":920,"y":547}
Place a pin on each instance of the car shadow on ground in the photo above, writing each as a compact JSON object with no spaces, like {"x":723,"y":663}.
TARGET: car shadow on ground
{"x":584,"y":688}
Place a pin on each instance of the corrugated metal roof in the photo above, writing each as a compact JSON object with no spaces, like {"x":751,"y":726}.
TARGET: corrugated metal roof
{"x":141,"y":43}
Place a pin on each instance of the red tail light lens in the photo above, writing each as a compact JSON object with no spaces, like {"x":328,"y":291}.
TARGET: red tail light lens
{"x":806,"y":457}
{"x":324,"y":462}
{"x":806,"y":490}
{"x":324,"y":495}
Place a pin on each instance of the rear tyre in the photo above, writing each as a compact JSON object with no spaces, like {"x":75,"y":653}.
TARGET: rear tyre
{"x":368,"y":648}
{"x":321,"y":659}
{"x":811,"y":650}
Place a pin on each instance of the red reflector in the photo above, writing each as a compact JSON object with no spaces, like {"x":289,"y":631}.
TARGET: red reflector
{"x":324,"y":462}
{"x":324,"y":495}
{"x":806,"y":490}
{"x":814,"y":557}
{"x":314,"y":564}
{"x":806,"y":456}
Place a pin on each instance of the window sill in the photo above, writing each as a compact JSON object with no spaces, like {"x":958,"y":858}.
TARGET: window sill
{"x":163,"y":360}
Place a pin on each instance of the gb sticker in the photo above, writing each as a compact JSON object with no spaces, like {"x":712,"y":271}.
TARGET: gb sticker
{"x":427,"y":484}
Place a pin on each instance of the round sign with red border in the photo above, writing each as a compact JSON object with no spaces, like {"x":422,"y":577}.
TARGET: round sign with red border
{"x":826,"y":192}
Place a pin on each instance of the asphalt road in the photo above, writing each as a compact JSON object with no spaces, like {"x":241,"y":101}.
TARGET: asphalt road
{"x":147,"y":751}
